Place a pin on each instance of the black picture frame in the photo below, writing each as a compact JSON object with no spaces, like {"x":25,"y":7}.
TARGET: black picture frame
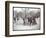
{"x":7,"y":17}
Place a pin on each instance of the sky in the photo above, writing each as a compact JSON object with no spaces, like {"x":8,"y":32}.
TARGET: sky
{"x":28,"y":10}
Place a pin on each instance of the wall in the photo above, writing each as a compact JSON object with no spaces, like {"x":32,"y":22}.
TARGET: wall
{"x":2,"y":19}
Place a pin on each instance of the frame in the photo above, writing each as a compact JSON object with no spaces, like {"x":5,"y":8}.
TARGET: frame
{"x":7,"y":17}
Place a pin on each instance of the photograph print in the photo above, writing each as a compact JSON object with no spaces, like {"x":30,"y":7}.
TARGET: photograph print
{"x":24,"y":18}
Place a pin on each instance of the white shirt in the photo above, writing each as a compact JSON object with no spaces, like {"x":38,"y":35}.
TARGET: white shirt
{"x":20,"y":21}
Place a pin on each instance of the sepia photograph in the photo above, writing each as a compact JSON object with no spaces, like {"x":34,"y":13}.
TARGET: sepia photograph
{"x":25,"y":18}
